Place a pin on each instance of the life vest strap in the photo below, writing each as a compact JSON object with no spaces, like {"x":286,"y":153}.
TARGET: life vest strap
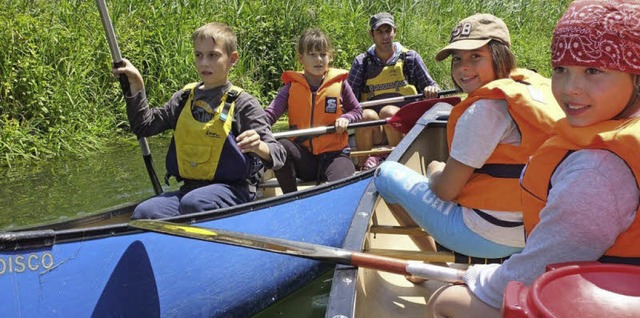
{"x":620,"y":260}
{"x":499,"y":170}
{"x":232,"y":95}
{"x":495,"y":221}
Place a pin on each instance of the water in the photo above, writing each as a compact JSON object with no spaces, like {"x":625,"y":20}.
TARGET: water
{"x":69,"y":187}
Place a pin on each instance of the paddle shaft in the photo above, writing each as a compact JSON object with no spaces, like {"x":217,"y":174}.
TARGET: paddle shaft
{"x":327,"y":129}
{"x":124,"y":84}
{"x":304,"y":250}
{"x":315,"y":131}
{"x":400,"y":99}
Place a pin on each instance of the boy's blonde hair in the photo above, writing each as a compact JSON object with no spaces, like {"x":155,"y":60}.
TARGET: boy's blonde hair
{"x":313,"y":39}
{"x":217,"y":31}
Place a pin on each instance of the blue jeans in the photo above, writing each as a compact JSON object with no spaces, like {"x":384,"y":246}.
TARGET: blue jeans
{"x":443,"y":220}
{"x":209,"y":197}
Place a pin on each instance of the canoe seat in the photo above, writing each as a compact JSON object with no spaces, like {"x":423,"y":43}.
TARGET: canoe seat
{"x":270,"y":187}
{"x":373,"y":151}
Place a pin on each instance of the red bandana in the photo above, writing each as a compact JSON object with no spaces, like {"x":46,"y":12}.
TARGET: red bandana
{"x":601,"y":34}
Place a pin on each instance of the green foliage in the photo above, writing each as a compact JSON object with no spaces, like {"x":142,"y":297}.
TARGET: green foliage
{"x":57,"y":94}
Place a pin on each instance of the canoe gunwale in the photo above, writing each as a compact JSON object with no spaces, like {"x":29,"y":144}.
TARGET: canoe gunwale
{"x":43,"y":236}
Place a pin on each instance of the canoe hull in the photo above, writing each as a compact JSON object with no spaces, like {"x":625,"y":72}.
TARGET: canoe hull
{"x":125,"y":272}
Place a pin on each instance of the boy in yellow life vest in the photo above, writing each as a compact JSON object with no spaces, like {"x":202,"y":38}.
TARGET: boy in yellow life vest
{"x":471,"y":203}
{"x":221,"y":135}
{"x":580,"y":188}
{"x":317,"y":96}
{"x":387,"y":69}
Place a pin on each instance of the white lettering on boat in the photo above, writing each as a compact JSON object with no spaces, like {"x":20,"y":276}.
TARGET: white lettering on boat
{"x":29,"y":262}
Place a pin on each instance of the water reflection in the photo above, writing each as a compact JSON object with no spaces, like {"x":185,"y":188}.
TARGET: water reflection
{"x":67,"y":187}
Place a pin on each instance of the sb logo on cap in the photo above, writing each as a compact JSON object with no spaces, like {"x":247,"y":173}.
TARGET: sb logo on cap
{"x":461,"y":30}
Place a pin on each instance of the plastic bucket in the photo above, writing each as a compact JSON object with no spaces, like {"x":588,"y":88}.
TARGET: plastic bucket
{"x":578,"y":290}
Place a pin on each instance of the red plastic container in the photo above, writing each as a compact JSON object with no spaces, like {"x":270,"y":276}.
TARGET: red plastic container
{"x":583,"y":289}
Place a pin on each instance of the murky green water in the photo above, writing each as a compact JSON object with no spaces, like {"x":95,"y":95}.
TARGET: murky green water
{"x":69,"y":187}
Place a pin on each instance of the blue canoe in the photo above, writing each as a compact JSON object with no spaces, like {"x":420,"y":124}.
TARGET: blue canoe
{"x":100,"y":267}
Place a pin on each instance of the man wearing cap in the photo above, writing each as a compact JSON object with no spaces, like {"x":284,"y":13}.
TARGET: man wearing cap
{"x":386,"y":69}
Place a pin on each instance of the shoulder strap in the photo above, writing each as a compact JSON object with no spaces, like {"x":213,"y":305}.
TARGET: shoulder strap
{"x":405,"y":66}
{"x":229,"y":100}
{"x":365,"y":64}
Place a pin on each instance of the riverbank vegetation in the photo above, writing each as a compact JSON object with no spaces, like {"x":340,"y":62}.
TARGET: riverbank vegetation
{"x":57,"y":95}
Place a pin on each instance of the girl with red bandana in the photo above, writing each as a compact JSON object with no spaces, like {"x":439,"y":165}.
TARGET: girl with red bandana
{"x":580,"y":189}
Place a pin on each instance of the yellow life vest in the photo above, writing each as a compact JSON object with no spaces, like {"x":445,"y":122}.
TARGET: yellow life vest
{"x":199,"y":145}
{"x":390,"y":82}
{"x":621,"y":137}
{"x":306,"y":112}
{"x":532,"y":106}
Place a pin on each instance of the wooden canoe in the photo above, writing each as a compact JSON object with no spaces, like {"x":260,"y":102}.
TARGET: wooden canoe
{"x":97,"y":266}
{"x":360,"y":292}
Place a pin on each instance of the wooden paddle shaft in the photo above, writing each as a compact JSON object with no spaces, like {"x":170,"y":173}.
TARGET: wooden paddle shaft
{"x":428,"y":271}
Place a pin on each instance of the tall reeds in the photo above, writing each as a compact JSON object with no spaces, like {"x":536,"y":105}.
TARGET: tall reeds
{"x":57,"y":94}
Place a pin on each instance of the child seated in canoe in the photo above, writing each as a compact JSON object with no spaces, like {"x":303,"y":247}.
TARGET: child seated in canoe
{"x":580,"y":189}
{"x":471,"y":203}
{"x":221,"y":135}
{"x":317,"y":96}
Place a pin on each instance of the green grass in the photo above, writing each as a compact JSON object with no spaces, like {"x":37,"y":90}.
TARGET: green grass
{"x":57,"y":94}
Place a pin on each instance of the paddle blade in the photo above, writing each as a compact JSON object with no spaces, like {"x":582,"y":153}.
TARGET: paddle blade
{"x":302,"y":249}
{"x":409,"y":114}
{"x":269,"y":244}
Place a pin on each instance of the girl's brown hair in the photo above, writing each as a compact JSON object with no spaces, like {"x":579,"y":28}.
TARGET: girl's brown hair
{"x":313,"y":39}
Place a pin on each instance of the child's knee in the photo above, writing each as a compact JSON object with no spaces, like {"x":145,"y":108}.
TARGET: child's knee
{"x":147,"y":210}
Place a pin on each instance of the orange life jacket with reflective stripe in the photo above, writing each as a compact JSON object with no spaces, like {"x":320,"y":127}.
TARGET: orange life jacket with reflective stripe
{"x":307,"y":110}
{"x":621,"y":137}
{"x":532,"y":106}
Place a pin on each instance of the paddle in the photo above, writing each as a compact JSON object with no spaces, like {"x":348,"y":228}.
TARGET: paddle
{"x":400,"y":99}
{"x":403,"y":120}
{"x":305,"y":250}
{"x":124,"y":84}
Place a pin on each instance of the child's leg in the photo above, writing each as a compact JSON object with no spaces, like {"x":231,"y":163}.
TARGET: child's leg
{"x":441,"y":219}
{"x":215,"y":196}
{"x":287,"y":174}
{"x":162,"y":206}
{"x":337,"y":168}
{"x":458,"y":301}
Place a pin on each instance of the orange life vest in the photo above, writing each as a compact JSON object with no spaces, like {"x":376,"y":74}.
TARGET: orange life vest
{"x":307,"y":110}
{"x":532,"y":106}
{"x":621,"y":137}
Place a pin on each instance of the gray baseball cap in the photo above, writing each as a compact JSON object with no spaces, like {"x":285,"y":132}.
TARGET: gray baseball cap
{"x":381,"y":18}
